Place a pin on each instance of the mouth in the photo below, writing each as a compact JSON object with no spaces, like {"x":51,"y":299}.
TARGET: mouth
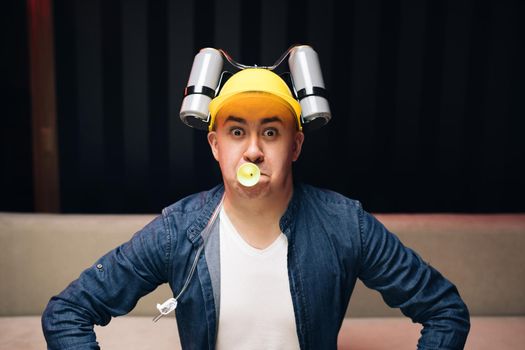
{"x":248,"y":174}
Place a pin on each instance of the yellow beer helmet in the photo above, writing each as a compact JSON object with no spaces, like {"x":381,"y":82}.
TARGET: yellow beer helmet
{"x":254,"y":80}
{"x":203,"y":97}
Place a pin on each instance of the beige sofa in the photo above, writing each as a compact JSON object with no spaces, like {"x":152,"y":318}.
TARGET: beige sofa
{"x":482,"y":254}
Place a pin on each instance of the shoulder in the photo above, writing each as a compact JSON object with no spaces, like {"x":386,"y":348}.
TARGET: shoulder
{"x":321,"y":196}
{"x":334,"y":210}
{"x":332,"y":220}
{"x":194,"y":203}
{"x":179,"y":216}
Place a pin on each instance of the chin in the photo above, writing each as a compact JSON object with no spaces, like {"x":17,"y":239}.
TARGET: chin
{"x":260,"y":190}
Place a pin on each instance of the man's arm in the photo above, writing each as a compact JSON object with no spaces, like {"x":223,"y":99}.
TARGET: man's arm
{"x":407,"y":282}
{"x":111,"y":287}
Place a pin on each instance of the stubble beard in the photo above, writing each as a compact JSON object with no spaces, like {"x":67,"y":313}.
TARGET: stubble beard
{"x":257,"y":191}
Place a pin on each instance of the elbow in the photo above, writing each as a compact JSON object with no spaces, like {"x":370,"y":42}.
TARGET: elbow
{"x":456,"y":325}
{"x":66,"y":328}
{"x":49,"y":321}
{"x":456,"y":333}
{"x":464,"y":315}
{"x":457,"y":318}
{"x":458,"y":315}
{"x":449,"y":328}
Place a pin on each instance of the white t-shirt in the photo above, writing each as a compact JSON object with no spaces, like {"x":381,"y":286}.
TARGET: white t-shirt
{"x":256,"y":310}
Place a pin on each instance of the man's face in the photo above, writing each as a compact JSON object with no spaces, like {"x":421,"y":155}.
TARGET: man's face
{"x":260,"y":130}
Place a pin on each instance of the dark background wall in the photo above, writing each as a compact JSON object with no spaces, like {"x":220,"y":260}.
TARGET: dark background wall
{"x":427,"y":100}
{"x":16,"y":186}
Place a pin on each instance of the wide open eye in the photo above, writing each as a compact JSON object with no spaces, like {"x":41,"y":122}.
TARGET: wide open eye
{"x":271,"y":132}
{"x":237,"y":132}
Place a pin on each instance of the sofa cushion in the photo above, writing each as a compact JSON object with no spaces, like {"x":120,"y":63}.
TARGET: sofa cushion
{"x":482,"y":254}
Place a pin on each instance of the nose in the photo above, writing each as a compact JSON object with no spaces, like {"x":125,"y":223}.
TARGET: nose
{"x":253,"y":152}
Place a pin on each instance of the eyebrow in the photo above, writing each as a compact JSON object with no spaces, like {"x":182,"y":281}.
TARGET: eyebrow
{"x":271,"y":120}
{"x":232,"y":118}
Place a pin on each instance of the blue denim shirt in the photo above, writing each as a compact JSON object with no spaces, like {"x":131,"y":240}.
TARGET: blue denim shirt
{"x":332,"y":241}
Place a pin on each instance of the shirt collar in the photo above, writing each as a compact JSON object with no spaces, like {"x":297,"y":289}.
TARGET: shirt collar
{"x":212,"y":199}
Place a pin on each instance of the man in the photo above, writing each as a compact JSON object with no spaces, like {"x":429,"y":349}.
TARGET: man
{"x":268,"y":266}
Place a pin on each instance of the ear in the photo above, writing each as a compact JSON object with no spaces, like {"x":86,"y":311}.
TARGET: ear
{"x":212,"y":140}
{"x":297,"y":145}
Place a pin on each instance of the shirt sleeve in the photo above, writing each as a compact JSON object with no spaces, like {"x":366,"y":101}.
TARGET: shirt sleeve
{"x":110,"y":287}
{"x":407,"y":282}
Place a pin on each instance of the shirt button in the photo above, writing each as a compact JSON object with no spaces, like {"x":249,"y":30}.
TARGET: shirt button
{"x":99,"y":266}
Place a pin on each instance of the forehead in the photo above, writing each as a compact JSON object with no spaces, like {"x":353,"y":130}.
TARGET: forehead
{"x":256,"y":108}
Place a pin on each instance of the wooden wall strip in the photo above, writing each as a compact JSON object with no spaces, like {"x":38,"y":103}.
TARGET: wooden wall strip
{"x":42,"y":77}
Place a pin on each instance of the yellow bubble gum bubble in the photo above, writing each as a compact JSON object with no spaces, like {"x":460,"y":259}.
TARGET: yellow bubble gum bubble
{"x":248,"y":174}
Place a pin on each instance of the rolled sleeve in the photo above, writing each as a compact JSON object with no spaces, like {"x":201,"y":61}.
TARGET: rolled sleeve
{"x":110,"y":287}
